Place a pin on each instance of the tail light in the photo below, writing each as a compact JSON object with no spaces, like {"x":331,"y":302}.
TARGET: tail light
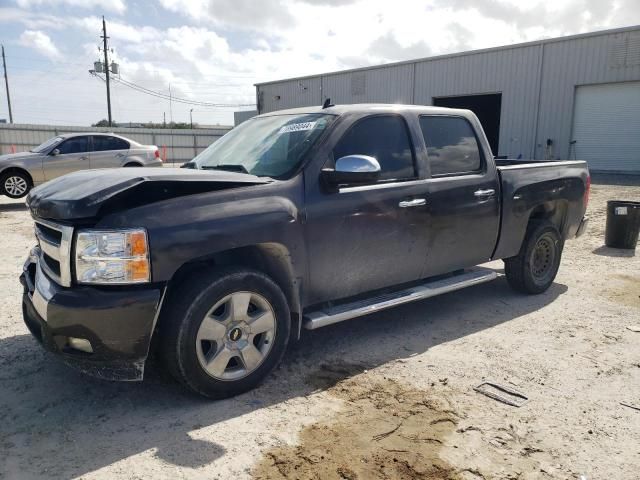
{"x":587,"y":189}
{"x":157,"y":154}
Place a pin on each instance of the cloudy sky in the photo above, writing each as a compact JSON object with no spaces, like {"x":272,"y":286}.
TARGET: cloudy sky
{"x":215,"y":50}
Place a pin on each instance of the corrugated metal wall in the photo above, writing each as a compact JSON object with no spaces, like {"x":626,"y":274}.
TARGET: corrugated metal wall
{"x":537,"y":82}
{"x":512,"y":72}
{"x":243,"y":116}
{"x":180,"y":145}
{"x":571,"y":63}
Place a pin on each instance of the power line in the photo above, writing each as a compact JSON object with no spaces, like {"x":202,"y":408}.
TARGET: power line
{"x":171,"y":98}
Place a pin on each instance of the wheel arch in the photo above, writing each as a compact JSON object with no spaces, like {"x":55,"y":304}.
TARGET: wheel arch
{"x":272,"y":259}
{"x":555,"y":211}
{"x":15,"y":169}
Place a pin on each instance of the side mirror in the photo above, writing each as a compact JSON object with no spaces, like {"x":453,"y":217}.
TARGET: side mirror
{"x":352,"y":170}
{"x":55,"y":152}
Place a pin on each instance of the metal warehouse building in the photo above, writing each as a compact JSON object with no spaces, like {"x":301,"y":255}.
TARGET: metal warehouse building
{"x":569,"y":97}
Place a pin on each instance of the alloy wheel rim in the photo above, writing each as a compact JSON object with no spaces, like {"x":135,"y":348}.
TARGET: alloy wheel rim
{"x":15,"y":185}
{"x":236,"y":335}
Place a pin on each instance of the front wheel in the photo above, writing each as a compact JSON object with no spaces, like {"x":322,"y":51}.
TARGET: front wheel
{"x":535,"y":267}
{"x":224,"y":331}
{"x":15,"y":184}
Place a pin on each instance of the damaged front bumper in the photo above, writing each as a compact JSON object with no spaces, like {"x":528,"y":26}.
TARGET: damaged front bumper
{"x":104,"y":332}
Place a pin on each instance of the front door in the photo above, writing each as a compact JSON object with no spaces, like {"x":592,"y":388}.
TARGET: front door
{"x":363,"y":238}
{"x":71,"y":155}
{"x":108,"y":151}
{"x":464,"y":196}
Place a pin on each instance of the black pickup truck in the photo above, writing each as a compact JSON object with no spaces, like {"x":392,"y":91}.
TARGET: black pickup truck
{"x":295,"y":219}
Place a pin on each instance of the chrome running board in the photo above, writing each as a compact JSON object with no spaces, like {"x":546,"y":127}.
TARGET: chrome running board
{"x":339,"y":313}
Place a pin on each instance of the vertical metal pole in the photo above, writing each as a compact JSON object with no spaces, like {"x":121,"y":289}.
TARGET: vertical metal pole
{"x":6,"y":84}
{"x":106,"y":68}
{"x":173,"y":158}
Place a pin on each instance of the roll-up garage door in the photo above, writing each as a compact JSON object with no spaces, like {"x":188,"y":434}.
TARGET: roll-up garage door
{"x":606,"y":126}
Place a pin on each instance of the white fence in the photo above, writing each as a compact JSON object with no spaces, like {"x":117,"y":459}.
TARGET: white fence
{"x":176,"y":145}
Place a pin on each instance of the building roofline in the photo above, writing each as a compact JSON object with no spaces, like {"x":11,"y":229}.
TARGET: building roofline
{"x":460,"y":54}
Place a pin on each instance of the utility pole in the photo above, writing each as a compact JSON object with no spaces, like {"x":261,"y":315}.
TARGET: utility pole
{"x":6,"y":84}
{"x":106,"y":68}
{"x":191,"y":117}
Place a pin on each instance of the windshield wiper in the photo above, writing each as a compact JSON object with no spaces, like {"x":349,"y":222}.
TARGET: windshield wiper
{"x":226,"y":166}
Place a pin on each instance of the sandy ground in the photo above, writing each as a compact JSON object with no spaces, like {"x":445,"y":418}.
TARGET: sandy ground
{"x":385,"y":396}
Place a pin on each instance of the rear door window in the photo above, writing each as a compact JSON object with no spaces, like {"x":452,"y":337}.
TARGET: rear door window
{"x":74,"y":145}
{"x":103,"y":143}
{"x":384,"y":137}
{"x":452,"y":145}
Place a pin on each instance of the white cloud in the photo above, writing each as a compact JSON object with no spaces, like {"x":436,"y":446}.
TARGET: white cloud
{"x":214,"y":50}
{"x":40,"y":42}
{"x":244,"y":14}
{"x":117,"y":31}
{"x":115,"y":6}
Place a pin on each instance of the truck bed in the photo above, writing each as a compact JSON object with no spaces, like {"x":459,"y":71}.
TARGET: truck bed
{"x":525,"y":185}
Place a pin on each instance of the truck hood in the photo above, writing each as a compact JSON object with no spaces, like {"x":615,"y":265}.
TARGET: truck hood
{"x":89,"y":194}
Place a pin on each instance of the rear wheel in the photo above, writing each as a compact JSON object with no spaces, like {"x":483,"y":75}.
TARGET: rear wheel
{"x":132,"y":164}
{"x":15,"y":184}
{"x":224,"y":331}
{"x":535,"y":267}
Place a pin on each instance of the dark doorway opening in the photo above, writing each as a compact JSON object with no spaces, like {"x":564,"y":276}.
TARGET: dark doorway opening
{"x":487,"y":109}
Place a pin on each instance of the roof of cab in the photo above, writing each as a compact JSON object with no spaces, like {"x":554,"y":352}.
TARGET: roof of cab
{"x":370,"y":108}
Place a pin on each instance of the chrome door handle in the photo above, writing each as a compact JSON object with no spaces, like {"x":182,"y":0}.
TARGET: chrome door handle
{"x":120,"y":155}
{"x":485,"y":193}
{"x":416,"y":202}
{"x":84,"y":158}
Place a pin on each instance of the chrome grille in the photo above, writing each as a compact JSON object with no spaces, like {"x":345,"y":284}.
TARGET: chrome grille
{"x":55,"y":247}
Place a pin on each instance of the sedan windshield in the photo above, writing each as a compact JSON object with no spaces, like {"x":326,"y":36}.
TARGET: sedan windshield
{"x":266,"y":146}
{"x":46,"y":145}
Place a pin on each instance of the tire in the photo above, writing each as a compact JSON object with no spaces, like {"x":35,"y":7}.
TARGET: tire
{"x":15,"y":184}
{"x":212,"y":350}
{"x":535,"y":267}
{"x":132,"y":164}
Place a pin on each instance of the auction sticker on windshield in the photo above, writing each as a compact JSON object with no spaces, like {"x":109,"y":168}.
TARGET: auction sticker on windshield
{"x":297,"y":127}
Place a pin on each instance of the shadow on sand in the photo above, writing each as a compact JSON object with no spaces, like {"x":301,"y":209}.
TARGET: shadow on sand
{"x":12,"y":207}
{"x":614,"y":252}
{"x":48,"y":411}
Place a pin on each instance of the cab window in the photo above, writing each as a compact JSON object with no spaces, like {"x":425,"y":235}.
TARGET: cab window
{"x":452,"y":145}
{"x":384,"y":137}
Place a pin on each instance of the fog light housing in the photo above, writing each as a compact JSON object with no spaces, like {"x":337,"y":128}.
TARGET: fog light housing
{"x":81,"y":344}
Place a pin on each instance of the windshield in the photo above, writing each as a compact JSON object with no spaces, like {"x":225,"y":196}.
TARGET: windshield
{"x":266,"y":146}
{"x":46,"y":145}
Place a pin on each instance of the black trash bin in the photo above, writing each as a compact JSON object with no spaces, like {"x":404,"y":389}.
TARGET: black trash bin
{"x":623,"y":224}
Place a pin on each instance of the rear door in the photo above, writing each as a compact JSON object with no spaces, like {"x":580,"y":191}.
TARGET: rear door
{"x":72,"y":155}
{"x":366,"y":237}
{"x":109,"y":151}
{"x":463,"y":195}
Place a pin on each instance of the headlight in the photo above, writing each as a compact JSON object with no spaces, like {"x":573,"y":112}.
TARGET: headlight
{"x":112,"y":256}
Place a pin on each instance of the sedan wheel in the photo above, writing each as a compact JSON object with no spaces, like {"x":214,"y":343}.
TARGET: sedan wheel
{"x":15,"y":186}
{"x":236,"y":335}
